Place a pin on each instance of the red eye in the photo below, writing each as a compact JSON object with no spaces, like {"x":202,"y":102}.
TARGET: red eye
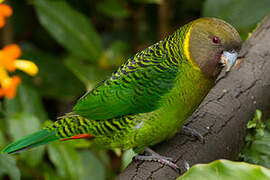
{"x":215,"y":40}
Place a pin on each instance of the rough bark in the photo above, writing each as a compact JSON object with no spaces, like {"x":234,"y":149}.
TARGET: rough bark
{"x":222,"y":116}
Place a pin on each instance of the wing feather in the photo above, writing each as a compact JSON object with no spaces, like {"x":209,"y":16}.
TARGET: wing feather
{"x":136,"y":87}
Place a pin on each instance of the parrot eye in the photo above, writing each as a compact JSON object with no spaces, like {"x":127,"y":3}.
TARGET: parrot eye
{"x":215,"y":40}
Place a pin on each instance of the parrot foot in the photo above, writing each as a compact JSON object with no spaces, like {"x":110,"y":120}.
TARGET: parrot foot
{"x":153,"y":156}
{"x":192,"y":133}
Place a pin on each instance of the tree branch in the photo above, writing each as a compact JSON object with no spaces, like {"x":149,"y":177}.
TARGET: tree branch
{"x":223,"y":115}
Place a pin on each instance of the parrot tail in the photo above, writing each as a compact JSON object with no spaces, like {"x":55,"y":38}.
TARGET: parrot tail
{"x":30,"y":141}
{"x":66,"y":128}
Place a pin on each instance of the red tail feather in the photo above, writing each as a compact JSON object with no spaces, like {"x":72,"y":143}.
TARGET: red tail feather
{"x":79,"y":136}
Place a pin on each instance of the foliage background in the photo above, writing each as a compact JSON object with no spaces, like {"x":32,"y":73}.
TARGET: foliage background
{"x":76,"y":44}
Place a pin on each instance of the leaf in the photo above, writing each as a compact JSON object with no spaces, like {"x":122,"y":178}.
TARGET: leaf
{"x":88,"y":74}
{"x":243,"y":15}
{"x":257,"y":118}
{"x":2,"y":138}
{"x":24,"y":116}
{"x":20,"y":125}
{"x":257,"y":147}
{"x":110,"y":59}
{"x":257,"y":123}
{"x":112,"y":8}
{"x":54,"y":79}
{"x":26,"y":100}
{"x":93,"y":169}
{"x":66,"y":160}
{"x":224,"y":170}
{"x":2,"y":119}
{"x":49,"y":172}
{"x":50,"y":175}
{"x":114,"y":56}
{"x":71,"y":164}
{"x":69,"y":28}
{"x":8,"y":166}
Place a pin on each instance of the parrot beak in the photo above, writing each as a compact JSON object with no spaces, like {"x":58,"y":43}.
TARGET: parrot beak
{"x":228,"y":59}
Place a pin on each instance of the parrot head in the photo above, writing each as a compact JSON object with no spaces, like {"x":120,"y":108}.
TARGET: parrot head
{"x":211,"y":44}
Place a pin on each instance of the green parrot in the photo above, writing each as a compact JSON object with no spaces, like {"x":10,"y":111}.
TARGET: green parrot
{"x":148,"y":99}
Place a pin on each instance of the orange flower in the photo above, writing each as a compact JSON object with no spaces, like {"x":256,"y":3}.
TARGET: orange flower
{"x":5,"y":11}
{"x":9,"y":63}
{"x":9,"y":86}
{"x":8,"y":56}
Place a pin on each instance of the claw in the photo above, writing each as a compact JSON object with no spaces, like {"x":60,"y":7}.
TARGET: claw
{"x":192,"y":133}
{"x":155,"y":157}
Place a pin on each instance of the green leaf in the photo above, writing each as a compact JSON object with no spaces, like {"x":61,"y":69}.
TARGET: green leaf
{"x":26,"y":100}
{"x":71,"y":164}
{"x":8,"y":166}
{"x":257,"y":118}
{"x":257,"y":147}
{"x":114,"y":56}
{"x":93,"y":169}
{"x":70,"y":28}
{"x":90,"y":75}
{"x":50,"y":175}
{"x":110,"y":59}
{"x":224,"y":170}
{"x":49,"y":172}
{"x":2,"y":121}
{"x":3,"y":141}
{"x":54,"y":79}
{"x":66,"y":160}
{"x":243,"y":14}
{"x":20,"y":125}
{"x":257,"y":123}
{"x":112,"y":8}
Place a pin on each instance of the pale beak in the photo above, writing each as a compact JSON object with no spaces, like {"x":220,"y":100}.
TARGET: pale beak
{"x":228,"y":59}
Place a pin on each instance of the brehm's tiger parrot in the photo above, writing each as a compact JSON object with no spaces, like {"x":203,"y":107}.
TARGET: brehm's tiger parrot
{"x":149,"y":98}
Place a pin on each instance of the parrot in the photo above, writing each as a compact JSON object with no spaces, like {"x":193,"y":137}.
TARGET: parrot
{"x":150,"y":97}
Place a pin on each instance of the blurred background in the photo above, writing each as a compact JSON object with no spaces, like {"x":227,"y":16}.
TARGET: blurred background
{"x":76,"y":44}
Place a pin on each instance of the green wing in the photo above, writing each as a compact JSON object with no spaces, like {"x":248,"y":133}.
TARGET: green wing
{"x":136,"y":87}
